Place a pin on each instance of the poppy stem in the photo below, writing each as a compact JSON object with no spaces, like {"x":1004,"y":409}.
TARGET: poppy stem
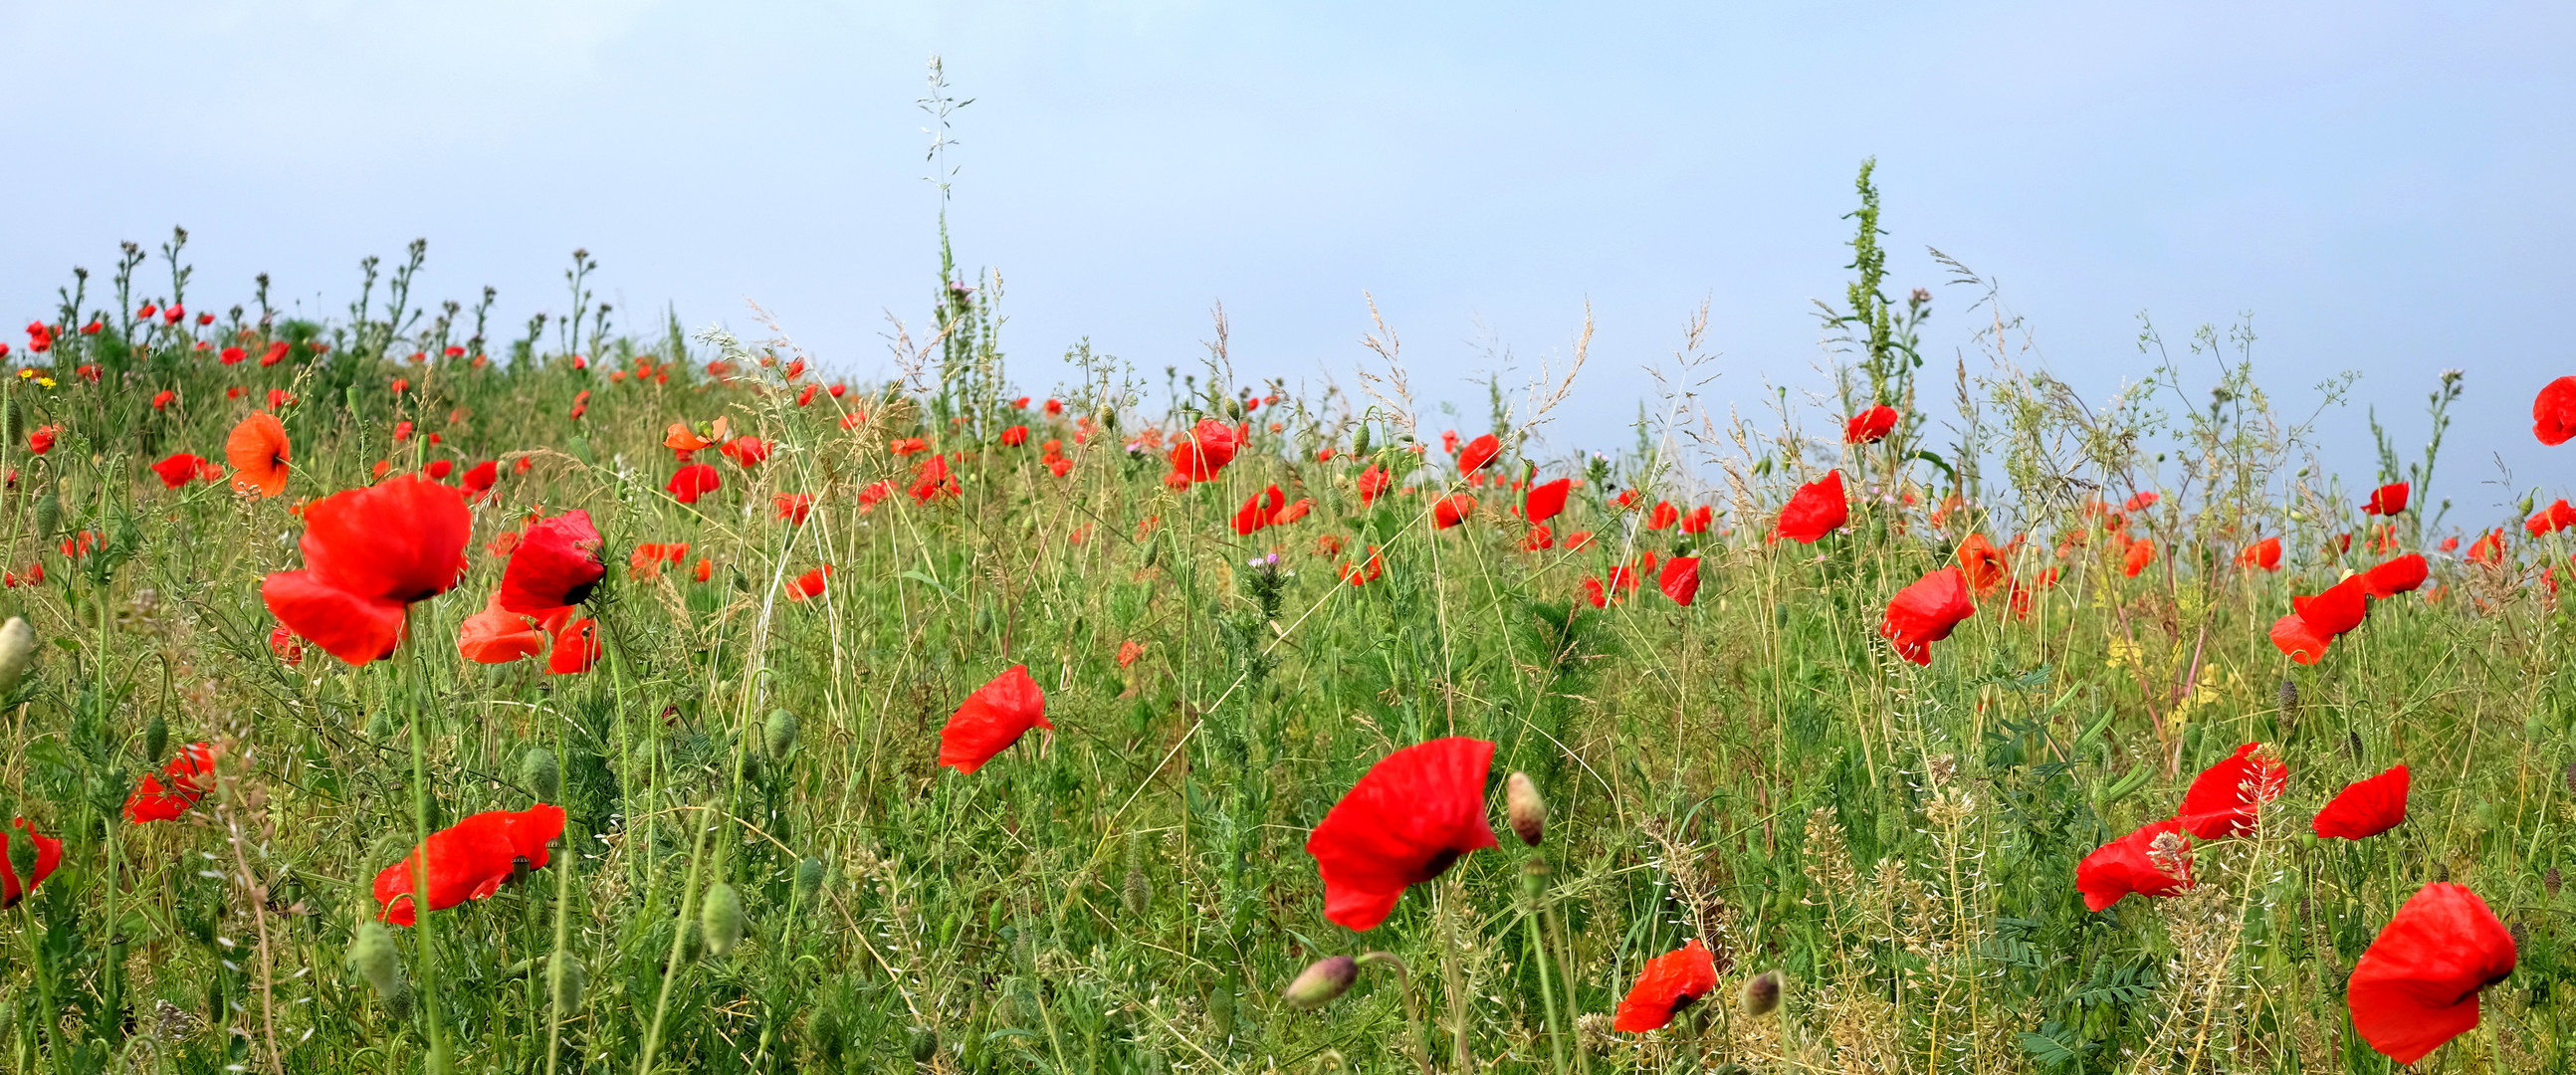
{"x":1412,"y":1005}
{"x":679,"y":939}
{"x":421,"y":915}
{"x":1533,"y":886}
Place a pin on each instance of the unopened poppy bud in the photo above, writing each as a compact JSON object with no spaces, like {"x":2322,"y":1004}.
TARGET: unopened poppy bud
{"x":1320,"y":983}
{"x":567,"y":978}
{"x":721,"y":919}
{"x":693,"y":943}
{"x":543,"y":775}
{"x":779,"y":735}
{"x":156,"y":738}
{"x":1522,"y":805}
{"x":17,"y":652}
{"x":49,"y":515}
{"x":809,"y":883}
{"x":372,"y":955}
{"x":1762,"y":993}
{"x":1360,"y":443}
{"x":22,"y":854}
{"x":924,"y":1043}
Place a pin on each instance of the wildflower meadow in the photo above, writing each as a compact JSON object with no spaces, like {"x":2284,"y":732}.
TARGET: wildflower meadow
{"x":404,"y":691}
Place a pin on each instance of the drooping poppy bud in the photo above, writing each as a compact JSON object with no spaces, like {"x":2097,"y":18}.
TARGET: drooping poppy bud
{"x":543,"y":775}
{"x":1320,"y":983}
{"x":1762,"y":993}
{"x":778,"y":735}
{"x":566,"y":979}
{"x":373,"y":956}
{"x":720,"y":919}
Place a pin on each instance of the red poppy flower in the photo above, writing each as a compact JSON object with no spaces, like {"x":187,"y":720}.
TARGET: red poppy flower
{"x":2553,"y":412}
{"x":693,"y":481}
{"x":1982,"y":564}
{"x":1128,"y":651}
{"x":1697,"y":520}
{"x":478,"y":479}
{"x":1204,"y":451}
{"x":2265,"y":554}
{"x":2366,"y":807}
{"x":576,"y":647}
{"x":1407,"y":821}
{"x":1870,"y":426}
{"x":991,"y":719}
{"x":2141,"y":553}
{"x":1815,"y":510}
{"x":2554,"y":518}
{"x":2223,"y":799}
{"x":556,"y":564}
{"x":1373,"y":482}
{"x":1546,"y":501}
{"x":2417,"y":985}
{"x":1015,"y":436}
{"x":745,"y":451}
{"x":1259,"y":511}
{"x":2401,"y":575}
{"x":1926,"y":612}
{"x":2488,"y":548}
{"x":1668,"y":983}
{"x":162,"y":399}
{"x":809,"y":585}
{"x":49,"y":855}
{"x":2388,"y":499}
{"x":1293,"y":512}
{"x":1680,"y":580}
{"x":470,"y":859}
{"x":2154,"y":861}
{"x":368,"y":554}
{"x":931,"y":480}
{"x":1538,"y":538}
{"x":42,"y":440}
{"x":1452,"y":510}
{"x":1479,"y":452}
{"x":1663,"y":515}
{"x":497,"y":635}
{"x":191,"y":774}
{"x":2296,"y":638}
{"x":1367,"y":571}
{"x":794,"y":506}
{"x":178,"y":469}
{"x":286,"y":646}
{"x":1578,"y":541}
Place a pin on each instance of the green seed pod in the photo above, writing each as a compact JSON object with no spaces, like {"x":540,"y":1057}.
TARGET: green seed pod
{"x":809,"y":884}
{"x":372,"y":955}
{"x":17,"y":652}
{"x":156,"y":739}
{"x":49,"y":516}
{"x":566,"y":978}
{"x":721,"y":919}
{"x":924,"y":1044}
{"x":779,"y":736}
{"x":543,"y":775}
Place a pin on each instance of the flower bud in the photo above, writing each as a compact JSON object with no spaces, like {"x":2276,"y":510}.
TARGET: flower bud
{"x":809,"y":884}
{"x":1762,"y":993}
{"x":156,"y":738}
{"x":17,"y":652}
{"x":779,"y":735}
{"x":543,"y":775}
{"x":924,"y":1044}
{"x":566,"y":977}
{"x":1522,"y":805}
{"x":721,"y":919}
{"x":1320,"y":983}
{"x":372,"y":955}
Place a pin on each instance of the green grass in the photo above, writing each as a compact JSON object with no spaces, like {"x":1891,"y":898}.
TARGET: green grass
{"x":1130,"y":894}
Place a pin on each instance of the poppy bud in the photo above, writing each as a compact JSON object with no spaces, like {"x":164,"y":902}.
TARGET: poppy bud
{"x":1522,"y":805}
{"x":49,"y":515}
{"x":1762,"y":993}
{"x":22,"y":855}
{"x":372,"y":955}
{"x":1320,"y":982}
{"x":809,"y":883}
{"x":543,"y":775}
{"x":567,"y":978}
{"x":924,"y":1043}
{"x":780,"y":734}
{"x":1360,"y":443}
{"x":17,"y":652}
{"x":693,"y":943}
{"x":156,"y":737}
{"x":721,"y":919}
{"x":2549,"y":881}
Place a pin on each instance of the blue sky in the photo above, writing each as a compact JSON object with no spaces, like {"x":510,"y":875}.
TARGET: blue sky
{"x":2382,"y":187}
